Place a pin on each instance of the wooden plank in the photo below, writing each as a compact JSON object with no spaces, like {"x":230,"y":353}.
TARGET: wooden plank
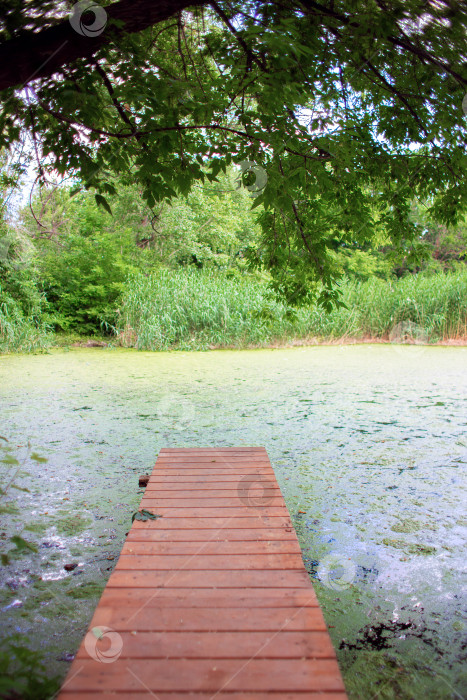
{"x":198,"y":488}
{"x":222,"y":547}
{"x":209,"y":562}
{"x":248,"y":619}
{"x":208,"y":597}
{"x":207,"y":675}
{"x":202,"y":597}
{"x":217,"y":471}
{"x":205,"y":458}
{"x":197,"y":481}
{"x":199,"y":645}
{"x":145,"y":695}
{"x":248,"y":522}
{"x":239,"y":500}
{"x":166,"y":496}
{"x":253,"y":461}
{"x":192,"y":511}
{"x":210,"y":600}
{"x":212,"y":467}
{"x":209,"y":579}
{"x":230,"y":532}
{"x":210,"y":448}
{"x":211,"y":451}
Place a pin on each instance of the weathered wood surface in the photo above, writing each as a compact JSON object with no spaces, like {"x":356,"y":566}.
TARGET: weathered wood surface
{"x":211,"y":600}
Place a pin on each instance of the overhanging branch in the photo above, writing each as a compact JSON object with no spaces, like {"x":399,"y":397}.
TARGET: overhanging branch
{"x":39,"y":54}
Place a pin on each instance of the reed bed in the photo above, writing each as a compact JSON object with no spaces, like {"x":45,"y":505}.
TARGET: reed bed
{"x":197,"y":310}
{"x":19,"y":333}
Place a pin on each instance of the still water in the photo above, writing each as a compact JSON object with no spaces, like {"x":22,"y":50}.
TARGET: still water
{"x":369,"y":447}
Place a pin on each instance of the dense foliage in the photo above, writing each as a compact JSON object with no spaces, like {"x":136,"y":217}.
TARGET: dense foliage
{"x":348,"y":109}
{"x":179,"y":278}
{"x":21,"y":303}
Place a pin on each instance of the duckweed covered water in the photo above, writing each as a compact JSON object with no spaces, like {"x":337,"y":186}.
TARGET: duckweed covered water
{"x":369,"y":447}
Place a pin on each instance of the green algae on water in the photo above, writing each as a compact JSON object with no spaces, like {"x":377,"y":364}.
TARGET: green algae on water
{"x":409,"y":547}
{"x":344,"y":462}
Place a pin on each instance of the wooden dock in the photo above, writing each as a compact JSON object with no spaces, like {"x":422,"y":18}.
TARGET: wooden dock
{"x":211,"y":600}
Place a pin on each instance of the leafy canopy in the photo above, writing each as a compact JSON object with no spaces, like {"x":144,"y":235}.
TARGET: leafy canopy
{"x":349,"y":110}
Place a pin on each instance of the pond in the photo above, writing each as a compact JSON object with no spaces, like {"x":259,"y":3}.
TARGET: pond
{"x":369,"y":446}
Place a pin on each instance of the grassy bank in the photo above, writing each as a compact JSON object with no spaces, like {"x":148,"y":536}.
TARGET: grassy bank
{"x":192,"y":310}
{"x":20,"y":333}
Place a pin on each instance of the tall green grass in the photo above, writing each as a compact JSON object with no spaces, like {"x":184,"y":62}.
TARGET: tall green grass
{"x":202,"y":309}
{"x":19,"y":333}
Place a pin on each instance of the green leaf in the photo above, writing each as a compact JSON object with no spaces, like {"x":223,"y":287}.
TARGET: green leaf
{"x":22,"y":544}
{"x":9,"y":459}
{"x":144,"y":515}
{"x":38,"y":458}
{"x":148,"y":514}
{"x":101,"y":201}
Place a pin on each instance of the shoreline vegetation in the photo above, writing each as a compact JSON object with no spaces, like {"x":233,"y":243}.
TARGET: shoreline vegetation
{"x":67,"y":342}
{"x":205,"y":310}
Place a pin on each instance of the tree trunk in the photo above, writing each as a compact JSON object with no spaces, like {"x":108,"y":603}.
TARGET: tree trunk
{"x":38,"y":54}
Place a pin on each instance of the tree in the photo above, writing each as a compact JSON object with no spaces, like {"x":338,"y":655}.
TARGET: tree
{"x":83,"y":256}
{"x":349,"y":109}
{"x":18,"y":287}
{"x":212,"y":226}
{"x":447,"y":246}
